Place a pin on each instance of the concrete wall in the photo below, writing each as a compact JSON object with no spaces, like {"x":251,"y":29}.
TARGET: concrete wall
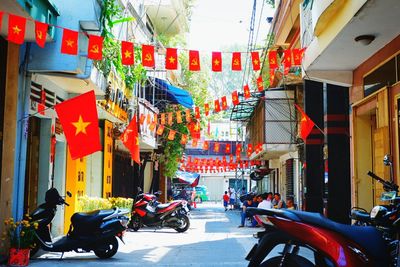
{"x":94,"y":170}
{"x":57,"y":226}
{"x":44,"y":182}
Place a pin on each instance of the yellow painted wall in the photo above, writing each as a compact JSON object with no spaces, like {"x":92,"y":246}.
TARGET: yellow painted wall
{"x":76,"y":184}
{"x":108,"y":156}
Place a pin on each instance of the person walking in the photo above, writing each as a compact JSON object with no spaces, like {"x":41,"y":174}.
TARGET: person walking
{"x":232,"y":199}
{"x":225,"y":198}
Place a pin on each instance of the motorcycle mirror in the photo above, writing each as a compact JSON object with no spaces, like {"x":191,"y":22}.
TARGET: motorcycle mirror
{"x":387,"y":160}
{"x":69,"y":194}
{"x":159,"y":192}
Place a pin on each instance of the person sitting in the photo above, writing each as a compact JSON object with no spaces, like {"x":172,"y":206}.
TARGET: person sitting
{"x":280,"y":204}
{"x":243,"y":215}
{"x":290,"y":203}
{"x":266,"y":202}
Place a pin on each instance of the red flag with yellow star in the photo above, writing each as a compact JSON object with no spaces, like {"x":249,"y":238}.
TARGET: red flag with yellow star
{"x":255,"y":59}
{"x":205,"y":145}
{"x":162,"y":120}
{"x":216,"y":147}
{"x":260,"y":84}
{"x":224,"y":103}
{"x":16,"y":29}
{"x":272,"y":58}
{"x":236,"y":61}
{"x":171,"y":59}
{"x":246,"y":91}
{"x":130,"y":138}
{"x":228,"y":148}
{"x":160,"y":129}
{"x":197,"y":112}
{"x":95,"y":47}
{"x":79,"y":120}
{"x":217,"y":107}
{"x":216,"y":61}
{"x":184,"y":139}
{"x":40,"y":33}
{"x":171,"y":135}
{"x":188,"y":115}
{"x":69,"y":43}
{"x":148,"y":56}
{"x":194,"y":60}
{"x":306,"y":124}
{"x":170,"y":118}
{"x":195,"y":142}
{"x":235,"y":98}
{"x":127,"y":53}
{"x":178,"y":116}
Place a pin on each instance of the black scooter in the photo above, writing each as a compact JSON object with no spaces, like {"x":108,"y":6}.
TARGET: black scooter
{"x":96,"y":230}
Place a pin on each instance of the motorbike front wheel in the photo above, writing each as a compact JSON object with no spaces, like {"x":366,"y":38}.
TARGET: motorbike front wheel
{"x":184,"y":223}
{"x":291,"y":260}
{"x":107,"y":249}
{"x":135,"y":223}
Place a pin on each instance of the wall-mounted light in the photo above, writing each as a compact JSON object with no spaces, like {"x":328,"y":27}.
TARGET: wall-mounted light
{"x":365,"y":39}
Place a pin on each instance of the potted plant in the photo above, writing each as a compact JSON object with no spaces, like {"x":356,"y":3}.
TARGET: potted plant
{"x":21,"y":235}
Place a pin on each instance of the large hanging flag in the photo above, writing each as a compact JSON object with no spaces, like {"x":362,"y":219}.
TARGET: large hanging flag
{"x":216,"y":61}
{"x":272,"y":58}
{"x":183,"y":139}
{"x":78,"y":117}
{"x":194,"y":60}
{"x":127,"y":53}
{"x":41,"y":33}
{"x":206,"y":109}
{"x":160,"y":129}
{"x":130,"y":138}
{"x":171,"y":135}
{"x":246,"y":91}
{"x":255,"y":59}
{"x":95,"y":47}
{"x":235,"y":98}
{"x":171,"y":59}
{"x":260,"y":84}
{"x":16,"y":29}
{"x":69,"y":43}
{"x":224,"y":103}
{"x":178,"y":116}
{"x":236,"y":61}
{"x":306,"y":124}
{"x":148,"y":56}
{"x":217,"y":107}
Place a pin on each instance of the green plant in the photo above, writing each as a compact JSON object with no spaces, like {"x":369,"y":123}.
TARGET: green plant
{"x":21,"y":234}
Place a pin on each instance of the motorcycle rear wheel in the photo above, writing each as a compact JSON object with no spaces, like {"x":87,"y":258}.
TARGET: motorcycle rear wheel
{"x":185,"y":223}
{"x":107,"y":249}
{"x":135,"y":223}
{"x":291,"y":260}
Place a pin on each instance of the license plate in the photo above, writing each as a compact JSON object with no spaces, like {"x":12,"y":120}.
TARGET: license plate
{"x":250,"y":255}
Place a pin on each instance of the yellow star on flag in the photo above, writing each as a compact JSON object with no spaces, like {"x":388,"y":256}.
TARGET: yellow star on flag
{"x":80,"y":125}
{"x":255,"y":62}
{"x":171,"y":60}
{"x":70,"y":42}
{"x":216,"y":62}
{"x":137,"y":141}
{"x":127,"y":54}
{"x":16,"y":29}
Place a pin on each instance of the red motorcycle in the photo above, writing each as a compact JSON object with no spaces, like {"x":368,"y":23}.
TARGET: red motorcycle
{"x":146,"y":211}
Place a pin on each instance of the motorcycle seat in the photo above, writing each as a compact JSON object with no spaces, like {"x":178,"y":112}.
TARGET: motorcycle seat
{"x":90,"y":219}
{"x":163,"y":206}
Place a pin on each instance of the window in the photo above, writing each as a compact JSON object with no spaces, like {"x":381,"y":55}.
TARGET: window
{"x":382,"y":76}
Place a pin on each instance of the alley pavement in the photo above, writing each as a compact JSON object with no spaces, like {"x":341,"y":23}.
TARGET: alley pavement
{"x":213,"y":239}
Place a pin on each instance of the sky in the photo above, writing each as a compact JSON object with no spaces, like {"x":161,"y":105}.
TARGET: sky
{"x":217,"y":24}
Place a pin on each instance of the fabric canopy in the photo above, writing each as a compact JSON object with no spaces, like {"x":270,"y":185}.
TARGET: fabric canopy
{"x":188,"y":178}
{"x":175,"y":94}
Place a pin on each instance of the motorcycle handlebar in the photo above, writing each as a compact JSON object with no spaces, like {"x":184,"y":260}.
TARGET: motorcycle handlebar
{"x":387,"y":186}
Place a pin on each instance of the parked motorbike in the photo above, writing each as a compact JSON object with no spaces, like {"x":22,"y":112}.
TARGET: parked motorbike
{"x":97,"y":230}
{"x":147,"y":211}
{"x":332,"y":243}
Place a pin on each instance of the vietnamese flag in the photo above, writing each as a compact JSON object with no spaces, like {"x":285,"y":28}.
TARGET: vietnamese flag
{"x":236,"y":61}
{"x":130,"y":138}
{"x":272,"y":58}
{"x":142,"y":118}
{"x":306,"y":124}
{"x":206,"y":109}
{"x":16,"y":29}
{"x":224,"y":103}
{"x":255,"y":59}
{"x":249,"y":150}
{"x":171,"y":59}
{"x":287,"y":60}
{"x":69,"y":44}
{"x":217,"y":107}
{"x":205,"y":145}
{"x":216,"y":61}
{"x":235,"y":98}
{"x":216,"y":147}
{"x":162,"y":121}
{"x":184,"y":141}
{"x":152,"y":126}
{"x":230,"y":158}
{"x":148,"y":56}
{"x":95,"y":47}
{"x":171,"y":135}
{"x":228,"y":148}
{"x":194,"y":144}
{"x":41,"y":33}
{"x":260,"y":84}
{"x":197,"y":112}
{"x":160,"y":129}
{"x":79,"y":120}
{"x":194,"y":60}
{"x":178,"y":116}
{"x":127,"y":53}
{"x":188,"y":116}
{"x":246,"y":91}
{"x":170,"y":118}
{"x":271,"y":76}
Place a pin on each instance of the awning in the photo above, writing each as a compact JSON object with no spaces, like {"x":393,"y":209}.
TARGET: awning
{"x":174,"y":94}
{"x":188,"y":178}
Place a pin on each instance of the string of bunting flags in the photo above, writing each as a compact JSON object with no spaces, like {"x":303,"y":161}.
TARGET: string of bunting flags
{"x":70,"y":44}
